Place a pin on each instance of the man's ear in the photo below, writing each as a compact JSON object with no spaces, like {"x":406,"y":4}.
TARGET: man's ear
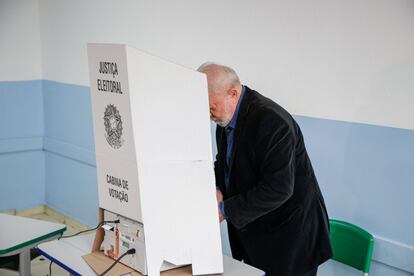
{"x":232,"y":92}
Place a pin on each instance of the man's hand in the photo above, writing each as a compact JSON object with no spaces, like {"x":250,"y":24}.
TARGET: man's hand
{"x":219,"y":197}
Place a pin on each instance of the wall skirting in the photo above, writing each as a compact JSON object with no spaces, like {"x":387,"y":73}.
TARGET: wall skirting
{"x":70,"y":151}
{"x":43,"y":209}
{"x":394,"y":253}
{"x":15,"y":145}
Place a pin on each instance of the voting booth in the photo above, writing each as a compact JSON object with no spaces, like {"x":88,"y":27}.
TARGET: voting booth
{"x":154,"y":161}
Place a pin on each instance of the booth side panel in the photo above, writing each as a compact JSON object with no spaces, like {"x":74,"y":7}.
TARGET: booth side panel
{"x":114,"y":141}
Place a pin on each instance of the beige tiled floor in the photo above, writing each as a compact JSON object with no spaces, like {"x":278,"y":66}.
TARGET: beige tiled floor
{"x":40,"y":265}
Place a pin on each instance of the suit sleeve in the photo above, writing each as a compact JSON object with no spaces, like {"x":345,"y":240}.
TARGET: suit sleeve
{"x":274,"y":150}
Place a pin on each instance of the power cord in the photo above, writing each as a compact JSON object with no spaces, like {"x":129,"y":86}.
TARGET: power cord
{"x":51,"y":261}
{"x":50,"y":268}
{"x":88,"y":230}
{"x":129,"y":252}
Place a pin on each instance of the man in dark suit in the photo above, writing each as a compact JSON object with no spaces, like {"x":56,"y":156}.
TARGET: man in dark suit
{"x":266,"y":188}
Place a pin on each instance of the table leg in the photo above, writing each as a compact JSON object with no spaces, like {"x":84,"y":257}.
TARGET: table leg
{"x":24,"y":263}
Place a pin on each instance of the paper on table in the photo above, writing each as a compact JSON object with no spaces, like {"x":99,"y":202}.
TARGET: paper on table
{"x":99,"y":263}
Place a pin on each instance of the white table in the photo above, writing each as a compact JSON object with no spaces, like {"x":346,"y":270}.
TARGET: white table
{"x":19,"y":234}
{"x":67,"y":253}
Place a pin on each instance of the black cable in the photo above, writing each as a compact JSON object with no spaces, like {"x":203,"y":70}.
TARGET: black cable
{"x":129,"y":252}
{"x":100,"y":224}
{"x":51,"y":262}
{"x":50,"y":268}
{"x":88,"y":230}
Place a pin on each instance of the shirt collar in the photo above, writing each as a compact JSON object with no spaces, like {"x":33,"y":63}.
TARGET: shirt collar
{"x":233,"y":121}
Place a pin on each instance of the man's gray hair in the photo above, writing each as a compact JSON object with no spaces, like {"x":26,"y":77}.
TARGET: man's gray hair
{"x":224,"y":76}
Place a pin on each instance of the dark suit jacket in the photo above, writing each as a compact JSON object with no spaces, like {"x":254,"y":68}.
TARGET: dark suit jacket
{"x":276,"y":215}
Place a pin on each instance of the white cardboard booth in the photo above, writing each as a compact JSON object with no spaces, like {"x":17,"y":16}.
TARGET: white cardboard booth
{"x":154,"y":161}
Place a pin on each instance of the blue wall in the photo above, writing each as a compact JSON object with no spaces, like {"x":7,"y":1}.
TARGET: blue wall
{"x":71,"y":184}
{"x":365,"y":171}
{"x":22,"y":170}
{"x":366,"y":174}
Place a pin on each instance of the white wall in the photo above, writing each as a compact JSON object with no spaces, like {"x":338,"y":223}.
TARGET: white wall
{"x":345,"y":60}
{"x":20,"y":40}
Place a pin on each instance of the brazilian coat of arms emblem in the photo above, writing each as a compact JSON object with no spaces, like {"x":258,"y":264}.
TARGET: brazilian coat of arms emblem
{"x":113,"y":126}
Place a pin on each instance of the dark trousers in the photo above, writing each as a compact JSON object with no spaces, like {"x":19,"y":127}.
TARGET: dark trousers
{"x":311,"y":273}
{"x":239,"y":253}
